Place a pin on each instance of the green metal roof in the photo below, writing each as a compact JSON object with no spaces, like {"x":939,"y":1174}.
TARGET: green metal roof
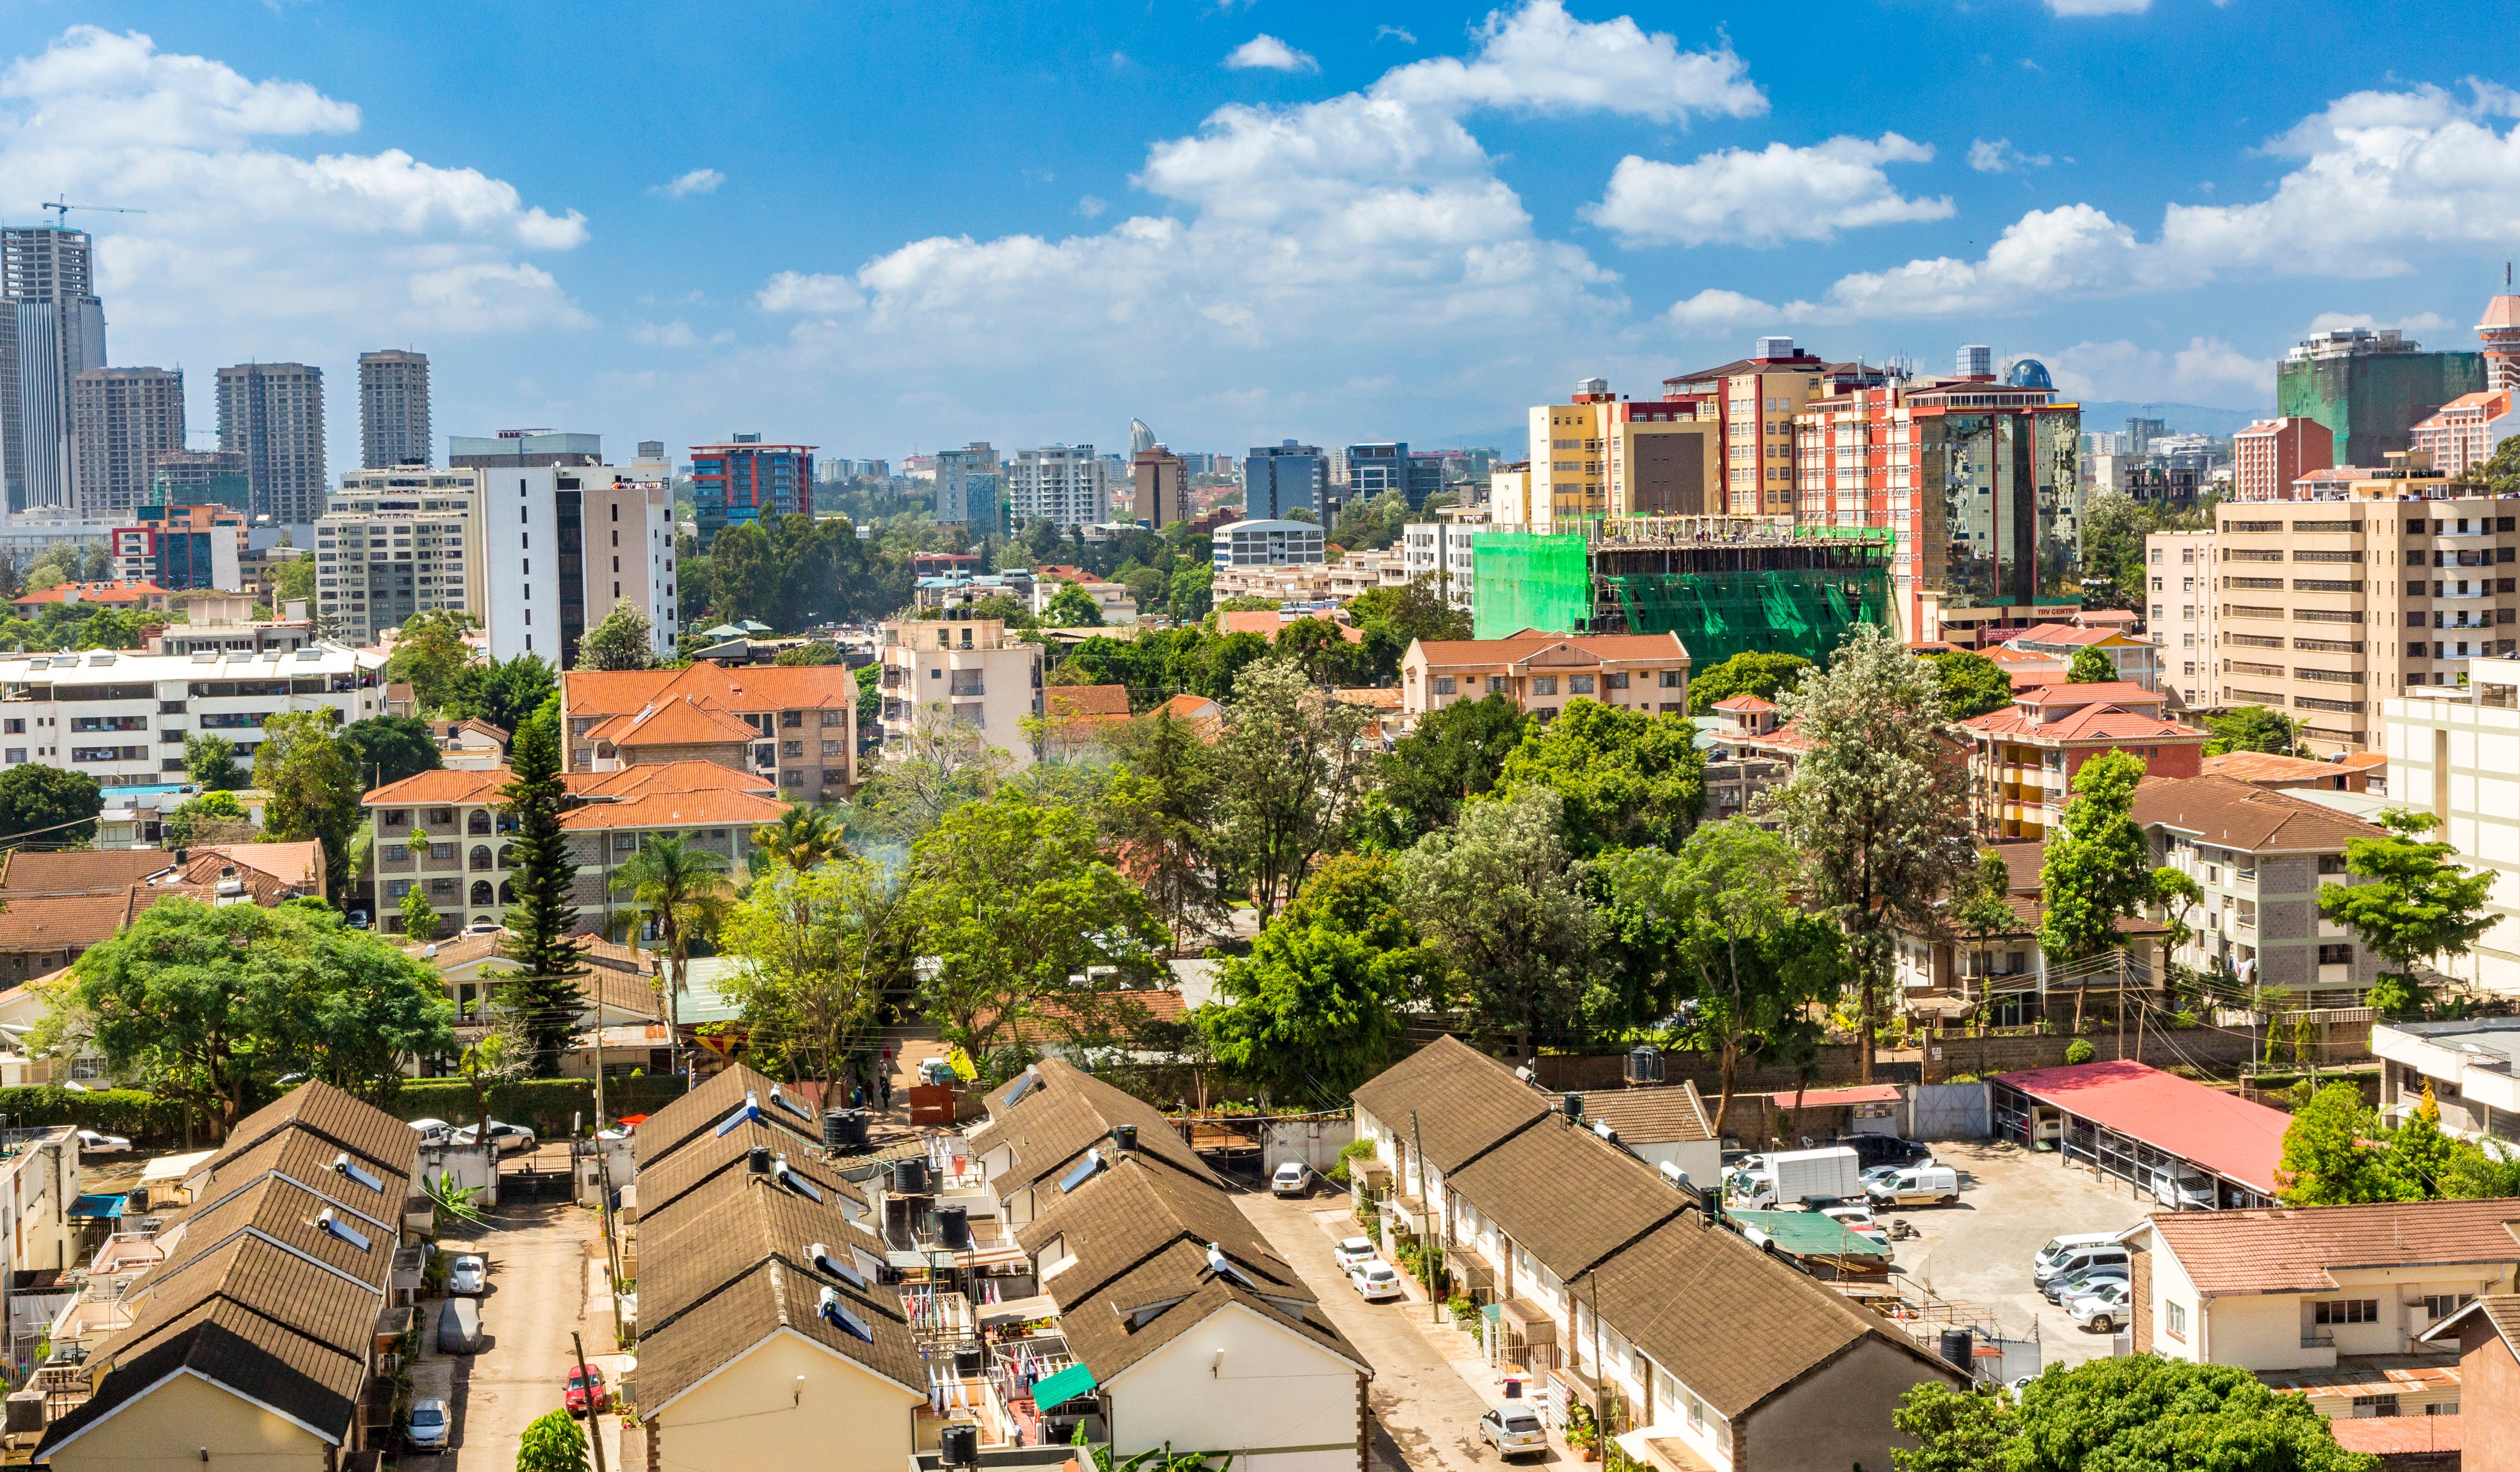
{"x":1808,"y":1234}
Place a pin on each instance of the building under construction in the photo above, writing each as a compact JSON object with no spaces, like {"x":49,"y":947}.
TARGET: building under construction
{"x":1723,"y":584}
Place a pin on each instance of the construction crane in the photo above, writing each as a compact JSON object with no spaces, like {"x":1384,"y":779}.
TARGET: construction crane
{"x":61,"y":211}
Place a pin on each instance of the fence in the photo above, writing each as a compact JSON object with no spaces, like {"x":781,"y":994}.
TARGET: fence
{"x":1950,"y":1111}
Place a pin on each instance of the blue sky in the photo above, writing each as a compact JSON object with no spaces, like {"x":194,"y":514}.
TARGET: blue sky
{"x":885,"y":227}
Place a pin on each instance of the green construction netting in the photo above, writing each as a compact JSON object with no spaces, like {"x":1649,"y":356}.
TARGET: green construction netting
{"x":1717,"y":615}
{"x":1529,"y":580}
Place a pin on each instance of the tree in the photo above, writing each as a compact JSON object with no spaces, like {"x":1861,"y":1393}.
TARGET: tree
{"x":388,"y":748}
{"x":431,"y":655}
{"x":1752,"y":672}
{"x":1499,"y":899}
{"x":1629,"y":780}
{"x":2175,"y":894}
{"x":2114,"y":525}
{"x":506,"y":692}
{"x":1455,"y":753}
{"x":1972,"y":684}
{"x":1955,"y":1429}
{"x":543,"y":987}
{"x":1160,"y":810}
{"x":2092,"y":666}
{"x":2412,"y":904}
{"x":1289,"y":765}
{"x":809,"y":655}
{"x":806,"y":836}
{"x":2141,"y":1414}
{"x":943,"y":765}
{"x":1010,"y":899}
{"x":622,"y":641}
{"x":1878,"y":805}
{"x":49,"y":804}
{"x":2253,"y":727}
{"x":500,"y":1053}
{"x":211,"y":1006}
{"x":312,"y":785}
{"x":1193,"y":592}
{"x":681,"y":894}
{"x":1071,"y":608}
{"x":553,"y":1444}
{"x":209,"y":760}
{"x":2095,"y":874}
{"x":211,"y":818}
{"x":2327,"y":1159}
{"x":2421,"y":1160}
{"x":1755,"y":957}
{"x":1311,"y":1013}
{"x":1981,"y":907}
{"x":820,"y":949}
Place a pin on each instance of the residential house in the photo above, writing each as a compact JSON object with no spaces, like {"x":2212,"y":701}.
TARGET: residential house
{"x":1206,"y":718}
{"x":124,"y":596}
{"x":801,"y":720}
{"x":2262,"y":858}
{"x":971,"y":673}
{"x":2487,"y":1335}
{"x":1661,"y":1125}
{"x":2138,"y":661}
{"x":59,"y":904}
{"x":2467,"y":1067}
{"x":622,"y":1019}
{"x":1601,"y":1292}
{"x":261,"y":1336}
{"x":1540,"y":672}
{"x":2331,"y":1301}
{"x":2002,"y":978}
{"x":1746,"y":755}
{"x":2283,"y":774}
{"x":2024,"y":757}
{"x":470,"y":744}
{"x":1077,"y":719}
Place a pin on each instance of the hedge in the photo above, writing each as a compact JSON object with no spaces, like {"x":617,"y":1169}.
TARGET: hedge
{"x":132,"y":1112}
{"x":549,"y":1106}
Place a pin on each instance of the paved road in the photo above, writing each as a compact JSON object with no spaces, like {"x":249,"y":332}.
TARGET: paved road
{"x":1426,"y":1413}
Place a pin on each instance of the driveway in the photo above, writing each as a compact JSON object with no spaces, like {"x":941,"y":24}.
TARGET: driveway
{"x":1425,"y":1408}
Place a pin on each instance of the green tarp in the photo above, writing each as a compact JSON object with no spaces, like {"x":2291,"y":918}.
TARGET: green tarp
{"x":1063,"y":1386}
{"x":1808,"y":1234}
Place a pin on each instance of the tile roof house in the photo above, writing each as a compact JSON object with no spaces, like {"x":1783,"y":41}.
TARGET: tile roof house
{"x":802,"y":721}
{"x":2024,"y":757}
{"x":2486,"y":1335}
{"x":1788,"y":1374}
{"x":2346,"y":1289}
{"x":54,"y":907}
{"x":1539,"y":672}
{"x":2277,"y":773}
{"x":128,"y":594}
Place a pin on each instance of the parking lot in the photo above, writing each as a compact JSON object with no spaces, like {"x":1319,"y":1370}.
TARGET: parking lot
{"x":2012,"y":1201}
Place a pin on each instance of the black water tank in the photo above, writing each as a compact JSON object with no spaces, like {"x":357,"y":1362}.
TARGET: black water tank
{"x":954,"y":1227}
{"x":910,"y":1177}
{"x":959,"y":1445}
{"x":1124,"y":1138}
{"x":967,"y":1361}
{"x":1575,"y":1106}
{"x":757,"y":1160}
{"x":844,"y":1129}
{"x":1955,"y":1349}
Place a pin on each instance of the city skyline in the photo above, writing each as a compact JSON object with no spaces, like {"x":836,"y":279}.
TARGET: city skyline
{"x":1479,"y":209}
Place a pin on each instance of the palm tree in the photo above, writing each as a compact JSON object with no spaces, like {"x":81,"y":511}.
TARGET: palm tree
{"x":684,"y":891}
{"x":804,"y":837}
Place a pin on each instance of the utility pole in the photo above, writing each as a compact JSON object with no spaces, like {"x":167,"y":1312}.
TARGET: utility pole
{"x":1427,"y":1238}
{"x":593,"y":1417}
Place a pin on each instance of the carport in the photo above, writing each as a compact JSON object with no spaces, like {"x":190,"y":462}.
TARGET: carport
{"x":2133,"y":1121}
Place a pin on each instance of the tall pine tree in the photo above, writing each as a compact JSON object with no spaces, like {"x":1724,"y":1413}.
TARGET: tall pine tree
{"x":543,"y":990}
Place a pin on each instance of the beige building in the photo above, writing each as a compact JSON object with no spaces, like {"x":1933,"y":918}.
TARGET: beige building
{"x":397,"y":542}
{"x":970,"y":672}
{"x":1161,"y":487}
{"x":1599,"y":455}
{"x":2455,"y":753}
{"x":1540,"y":672}
{"x":2179,"y":578}
{"x":798,"y":723}
{"x":121,"y":419}
{"x":1313,"y":582}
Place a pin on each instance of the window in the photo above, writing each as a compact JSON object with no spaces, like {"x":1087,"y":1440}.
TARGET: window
{"x":1579,"y":685}
{"x":1544,"y":685}
{"x":832,"y":748}
{"x":791,"y":778}
{"x":1445,"y":685}
{"x":2444,"y":1305}
{"x":831,"y":718}
{"x":792,"y":719}
{"x":791,"y":748}
{"x":1697,"y":1413}
{"x":16,"y":725}
{"x":441,"y":851}
{"x":2175,"y":1319}
{"x":2368,"y":1406}
{"x":2347,"y":1311}
{"x":1617,"y":681}
{"x":1671,"y":679}
{"x":1496,"y":685}
{"x":2338,"y":954}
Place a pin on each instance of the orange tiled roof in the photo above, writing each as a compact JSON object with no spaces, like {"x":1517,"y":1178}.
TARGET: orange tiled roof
{"x":292,"y":864}
{"x":2270,"y":767}
{"x":1204,"y":716}
{"x":705,"y":807}
{"x":717,"y":687}
{"x":133,"y":591}
{"x":685,"y":775}
{"x":1612,"y":648}
{"x":1751,"y":704}
{"x":1079,"y":701}
{"x":676,"y":720}
{"x":2093,"y":723}
{"x":2096,"y":692}
{"x":448,"y":786}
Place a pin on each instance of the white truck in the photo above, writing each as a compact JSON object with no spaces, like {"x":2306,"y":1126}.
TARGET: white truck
{"x":1789,"y":1178}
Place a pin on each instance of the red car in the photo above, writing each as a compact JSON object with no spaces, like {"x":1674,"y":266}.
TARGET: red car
{"x":585,"y":1388}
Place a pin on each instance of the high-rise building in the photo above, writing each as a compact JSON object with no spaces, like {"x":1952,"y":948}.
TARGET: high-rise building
{"x":2269,"y":455}
{"x":393,"y":409}
{"x":1425,"y":475}
{"x":397,"y":541}
{"x":121,"y":419}
{"x":970,"y":489}
{"x":2500,"y":334}
{"x":2468,"y":429}
{"x":274,"y":412}
{"x":52,"y":328}
{"x":515,"y":449}
{"x":1283,"y":478}
{"x":1161,"y":487}
{"x":1598,"y":455}
{"x":743,"y":480}
{"x":1375,"y":469}
{"x":564,"y":545}
{"x":1975,"y":480}
{"x":181,"y":547}
{"x":1141,"y":437}
{"x":1066,"y":485}
{"x":2179,"y":587}
{"x":1976,"y":360}
{"x":2139,"y":435}
{"x":200,"y":477}
{"x":2371,"y":388}
{"x":1755,"y":399}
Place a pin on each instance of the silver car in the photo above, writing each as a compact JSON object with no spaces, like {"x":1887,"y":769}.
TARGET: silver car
{"x":1514,"y":1432}
{"x":428,"y":1425}
{"x":1376,"y":1280}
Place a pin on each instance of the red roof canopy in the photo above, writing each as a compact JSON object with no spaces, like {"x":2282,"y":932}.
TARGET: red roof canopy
{"x":1830,"y":1098}
{"x":2221,"y":1132}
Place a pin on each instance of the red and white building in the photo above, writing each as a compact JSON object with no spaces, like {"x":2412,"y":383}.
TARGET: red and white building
{"x":2024,"y":756}
{"x":2269,"y":455}
{"x":2465,"y":432}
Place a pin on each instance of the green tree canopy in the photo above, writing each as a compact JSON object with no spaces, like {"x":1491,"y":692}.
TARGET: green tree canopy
{"x":1455,"y":752}
{"x":2092,"y":666}
{"x":1071,"y":608}
{"x":311,"y":778}
{"x":429,"y":653}
{"x":818,"y":951}
{"x":2095,"y":870}
{"x":678,"y":899}
{"x":1160,"y":812}
{"x":388,"y":748}
{"x":210,"y":760}
{"x":1629,"y":780}
{"x":553,"y":1443}
{"x":1499,"y":898}
{"x":1312,"y":1012}
{"x":2412,"y":904}
{"x":1752,"y":672}
{"x":214,"y":817}
{"x":1972,"y":684}
{"x":506,"y":692}
{"x":2330,"y":1157}
{"x":619,"y":642}
{"x":49,"y":804}
{"x":2142,"y":1413}
{"x":1288,"y":769}
{"x":2253,"y":727}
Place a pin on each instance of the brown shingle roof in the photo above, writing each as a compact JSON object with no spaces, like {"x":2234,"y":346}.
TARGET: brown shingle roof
{"x":1672,"y":1114}
{"x":1465,"y":1102}
{"x":334,"y":1115}
{"x":2499,"y":1312}
{"x":1565,"y":1196}
{"x":232,"y":1345}
{"x":78,"y":871}
{"x":2270,"y":766}
{"x":672,"y":1182}
{"x":2232,"y":814}
{"x":281,"y":1210}
{"x":2287,"y":1250}
{"x":1067,"y":1113}
{"x":692,"y":1116}
{"x":53,"y":922}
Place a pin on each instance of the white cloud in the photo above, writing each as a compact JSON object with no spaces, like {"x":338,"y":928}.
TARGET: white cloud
{"x":1999,"y":157}
{"x":1766,"y":198}
{"x":1718,"y":313}
{"x":2207,"y":370}
{"x":699,"y":181}
{"x":1266,"y":53}
{"x":1091,"y":207}
{"x":2420,"y":322}
{"x":1539,"y":58}
{"x":799,"y":292}
{"x":1381,"y":31}
{"x":2382,"y":179}
{"x":2099,"y":7}
{"x":247,"y":248}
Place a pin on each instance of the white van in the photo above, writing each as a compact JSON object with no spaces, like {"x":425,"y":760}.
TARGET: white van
{"x":2043,"y":1264}
{"x":2075,"y":1259}
{"x":2184,"y":1192}
{"x":1917,"y":1185}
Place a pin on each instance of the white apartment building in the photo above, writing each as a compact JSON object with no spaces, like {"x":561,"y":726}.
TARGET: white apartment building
{"x":563,"y":544}
{"x":2456,"y":753}
{"x":970,"y":672}
{"x":2178,"y":586}
{"x":1067,"y":485}
{"x":1441,"y":550}
{"x":1267,"y":544}
{"x":122,"y":718}
{"x":397,"y":542}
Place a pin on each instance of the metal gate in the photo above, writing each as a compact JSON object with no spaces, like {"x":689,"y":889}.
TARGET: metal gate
{"x":1951,"y":1111}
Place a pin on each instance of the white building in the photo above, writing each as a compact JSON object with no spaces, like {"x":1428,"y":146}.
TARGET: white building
{"x":1067,"y":485}
{"x":1262,"y":544}
{"x":970,"y":672}
{"x":616,"y":520}
{"x":1441,"y":550}
{"x":2178,"y":586}
{"x":122,"y":718}
{"x":392,"y":543}
{"x":2456,"y":753}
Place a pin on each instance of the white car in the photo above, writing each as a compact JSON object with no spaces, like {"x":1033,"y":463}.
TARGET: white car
{"x":469,"y":1278}
{"x":505,"y":1139}
{"x":434,"y":1132}
{"x":1514,"y":1431}
{"x":2102,"y":1308}
{"x":93,"y":1143}
{"x":1856,"y":1218}
{"x":1376,"y":1280}
{"x":1292,"y":1179}
{"x":1354,"y":1253}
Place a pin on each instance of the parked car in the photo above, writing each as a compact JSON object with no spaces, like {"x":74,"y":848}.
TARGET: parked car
{"x":1884,"y":1149}
{"x":1917,"y":1185}
{"x":434,"y":1132}
{"x":1353,"y":1253}
{"x":96,"y":1142}
{"x":505,"y":1139}
{"x":2066,"y":1289}
{"x":1292,"y":1179}
{"x":585,"y":1388}
{"x":459,"y":1327}
{"x":1514,"y":1432}
{"x":2074,"y":1257}
{"x":1377,"y":1279}
{"x":470,"y":1276}
{"x":2102,"y":1308}
{"x":482,"y":927}
{"x":1858,"y":1218}
{"x":428,"y":1425}
{"x":2184,"y":1192}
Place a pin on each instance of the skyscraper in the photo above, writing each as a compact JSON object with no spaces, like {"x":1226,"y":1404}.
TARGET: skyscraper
{"x":744,"y":480}
{"x":2370,"y":390}
{"x":1280,"y":478}
{"x":52,"y":328}
{"x":393,"y":409}
{"x":1162,"y":495}
{"x":1141,"y":438}
{"x":274,"y":412}
{"x":121,"y":419}
{"x":1066,"y":486}
{"x":970,"y":489}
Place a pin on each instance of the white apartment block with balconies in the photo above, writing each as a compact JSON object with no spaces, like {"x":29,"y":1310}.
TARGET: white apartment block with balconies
{"x":970,"y":672}
{"x":122,"y":718}
{"x":2454,"y":751}
{"x":2178,"y":579}
{"x":1066,"y":485}
{"x":397,"y":542}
